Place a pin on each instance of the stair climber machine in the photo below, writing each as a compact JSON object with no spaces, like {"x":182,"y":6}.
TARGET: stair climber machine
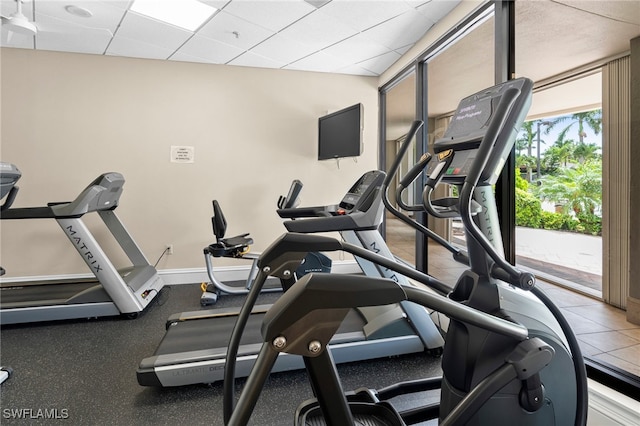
{"x":237,"y":247}
{"x":510,"y":357}
{"x":194,"y":347}
{"x":125,"y":292}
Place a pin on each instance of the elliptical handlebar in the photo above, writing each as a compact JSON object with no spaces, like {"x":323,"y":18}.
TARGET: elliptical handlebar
{"x":458,"y":255}
{"x":444,"y":208}
{"x":408,"y":179}
{"x":492,"y":143}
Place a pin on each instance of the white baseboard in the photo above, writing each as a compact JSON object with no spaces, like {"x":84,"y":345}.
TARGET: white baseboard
{"x":608,"y":407}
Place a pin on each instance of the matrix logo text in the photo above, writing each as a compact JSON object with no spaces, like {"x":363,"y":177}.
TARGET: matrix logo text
{"x":35,"y":413}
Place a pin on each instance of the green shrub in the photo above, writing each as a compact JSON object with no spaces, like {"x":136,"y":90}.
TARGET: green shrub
{"x":558,"y":221}
{"x":521,"y":183}
{"x":528,"y":209}
{"x":590,"y":223}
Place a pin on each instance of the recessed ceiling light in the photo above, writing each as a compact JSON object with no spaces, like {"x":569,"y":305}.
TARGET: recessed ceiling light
{"x":78,"y":11}
{"x":187,"y":14}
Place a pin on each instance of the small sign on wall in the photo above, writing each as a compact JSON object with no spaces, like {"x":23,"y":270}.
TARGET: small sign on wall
{"x":182,"y":154}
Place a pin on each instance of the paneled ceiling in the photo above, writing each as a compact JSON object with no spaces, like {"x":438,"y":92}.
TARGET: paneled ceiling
{"x":361,"y":37}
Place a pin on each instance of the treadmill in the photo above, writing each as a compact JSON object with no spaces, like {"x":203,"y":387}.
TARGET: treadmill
{"x":195,"y":344}
{"x":126,"y":291}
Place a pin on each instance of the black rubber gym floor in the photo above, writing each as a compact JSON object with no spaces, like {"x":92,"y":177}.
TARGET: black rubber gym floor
{"x":84,"y":373}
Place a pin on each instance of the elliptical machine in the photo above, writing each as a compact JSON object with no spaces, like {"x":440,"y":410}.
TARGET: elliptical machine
{"x":509,"y":356}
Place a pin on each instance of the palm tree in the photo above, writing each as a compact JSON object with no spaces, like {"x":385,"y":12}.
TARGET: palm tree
{"x":525,"y":139}
{"x":561,"y":152}
{"x":578,"y":189}
{"x":586,"y":151}
{"x":592,"y":119}
{"x":527,"y":162}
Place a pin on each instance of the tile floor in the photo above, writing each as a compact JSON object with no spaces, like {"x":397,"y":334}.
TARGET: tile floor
{"x":603,"y":330}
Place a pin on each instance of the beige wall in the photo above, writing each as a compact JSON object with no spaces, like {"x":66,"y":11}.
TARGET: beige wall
{"x":66,"y":118}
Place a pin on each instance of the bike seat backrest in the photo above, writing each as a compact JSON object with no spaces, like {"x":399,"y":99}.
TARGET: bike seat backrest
{"x":218,"y":221}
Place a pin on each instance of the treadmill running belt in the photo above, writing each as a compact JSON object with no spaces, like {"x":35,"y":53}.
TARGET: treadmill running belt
{"x":208,"y":333}
{"x":186,"y":336}
{"x":39,"y":295}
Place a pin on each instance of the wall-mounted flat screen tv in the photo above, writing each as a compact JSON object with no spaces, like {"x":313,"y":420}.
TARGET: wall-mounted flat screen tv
{"x":340,"y":133}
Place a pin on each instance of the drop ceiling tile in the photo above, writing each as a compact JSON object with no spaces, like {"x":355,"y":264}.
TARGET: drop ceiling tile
{"x":273,"y":15}
{"x":76,"y":43}
{"x":362,"y":15}
{"x":417,"y":3}
{"x":330,"y":36}
{"x":74,"y":38}
{"x":356,"y":70}
{"x":356,"y":49}
{"x":105,"y":14}
{"x":401,"y":30}
{"x":183,"y":57}
{"x":380,"y":64}
{"x":319,"y":61}
{"x":122,"y":46}
{"x":282,"y":49}
{"x":250,"y":59}
{"x":404,"y":49}
{"x":212,"y":50}
{"x":435,"y":10}
{"x":147,"y":30}
{"x":234,"y":31}
{"x":218,"y":4}
{"x":318,"y":30}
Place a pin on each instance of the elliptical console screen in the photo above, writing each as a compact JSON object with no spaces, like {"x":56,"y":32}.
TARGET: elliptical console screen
{"x":469,"y":125}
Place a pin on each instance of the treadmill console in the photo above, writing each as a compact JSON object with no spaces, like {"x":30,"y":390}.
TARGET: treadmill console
{"x":360,"y":209}
{"x":458,"y":147}
{"x":101,"y":194}
{"x":361,"y":194}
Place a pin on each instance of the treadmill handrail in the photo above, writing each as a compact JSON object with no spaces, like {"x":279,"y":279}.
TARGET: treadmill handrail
{"x":300,"y":212}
